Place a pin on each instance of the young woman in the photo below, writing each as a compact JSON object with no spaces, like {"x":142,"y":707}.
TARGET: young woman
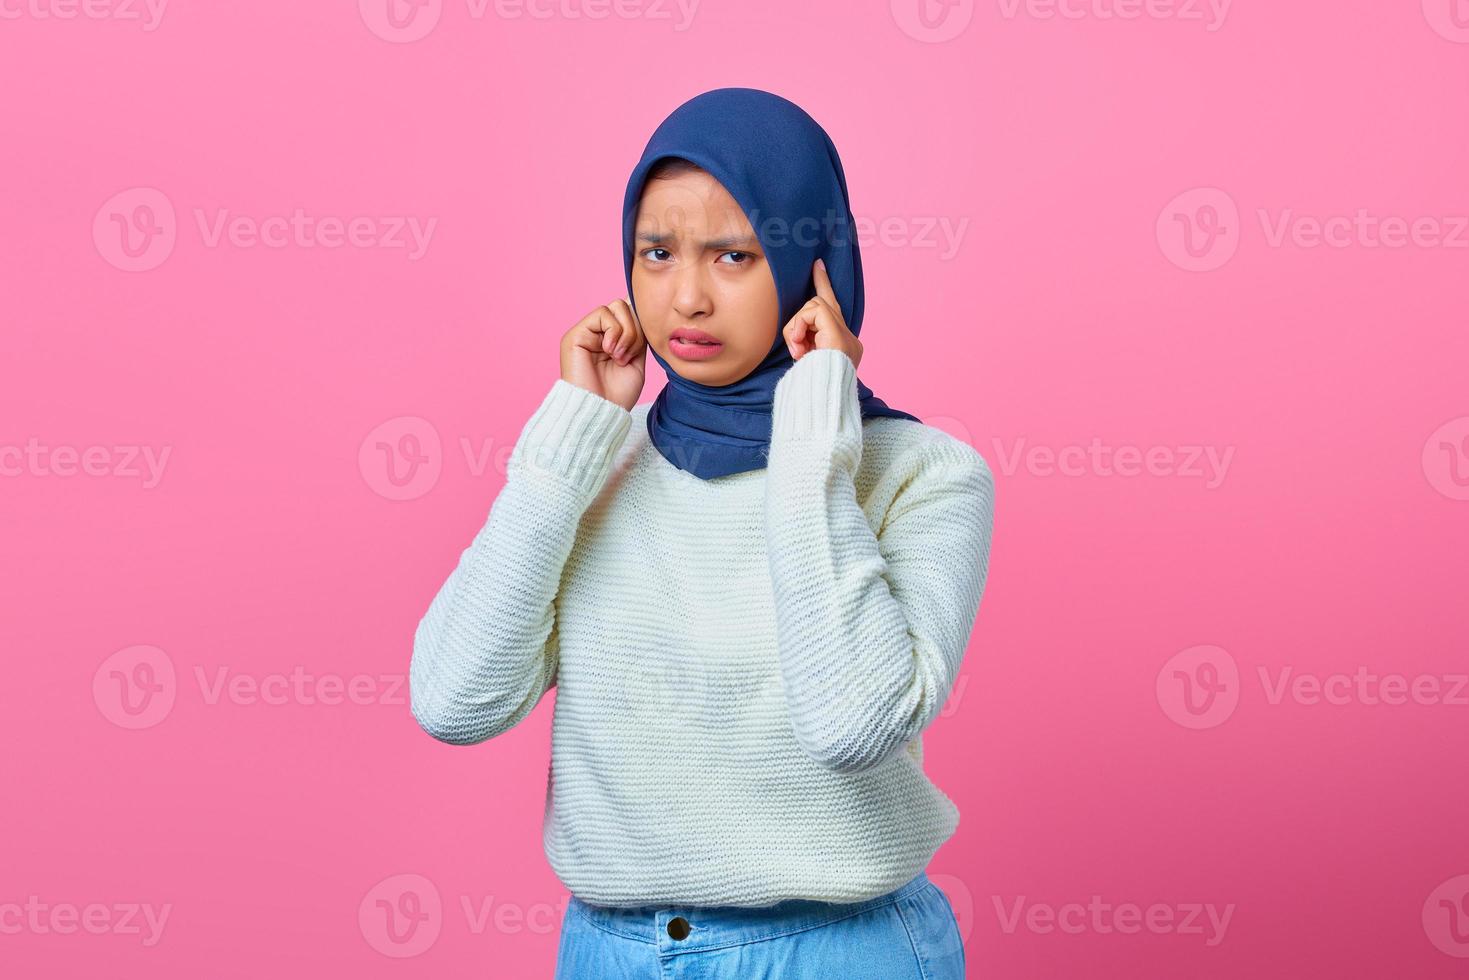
{"x":752,"y":594}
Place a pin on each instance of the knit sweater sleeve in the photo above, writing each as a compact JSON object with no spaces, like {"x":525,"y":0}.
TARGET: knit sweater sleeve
{"x":486,"y":650}
{"x":871,"y":626}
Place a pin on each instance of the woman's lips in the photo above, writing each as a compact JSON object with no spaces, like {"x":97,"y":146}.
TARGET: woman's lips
{"x":690,"y":351}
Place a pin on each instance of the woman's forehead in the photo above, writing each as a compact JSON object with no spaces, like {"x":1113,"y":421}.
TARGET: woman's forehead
{"x":705,"y":207}
{"x":688,"y":189}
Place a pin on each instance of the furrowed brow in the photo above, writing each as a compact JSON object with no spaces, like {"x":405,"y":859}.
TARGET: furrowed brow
{"x":733,"y":241}
{"x":728,"y":242}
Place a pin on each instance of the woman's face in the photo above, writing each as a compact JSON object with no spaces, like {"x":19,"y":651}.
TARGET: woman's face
{"x":698,"y":267}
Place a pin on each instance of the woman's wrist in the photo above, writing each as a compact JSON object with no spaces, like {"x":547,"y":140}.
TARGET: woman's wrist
{"x":816,"y":400}
{"x":572,"y":435}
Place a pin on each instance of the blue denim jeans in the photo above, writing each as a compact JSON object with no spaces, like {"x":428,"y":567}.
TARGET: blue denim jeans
{"x":910,"y":932}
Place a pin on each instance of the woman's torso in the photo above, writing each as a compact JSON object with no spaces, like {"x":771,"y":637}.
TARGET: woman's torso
{"x":675,"y":775}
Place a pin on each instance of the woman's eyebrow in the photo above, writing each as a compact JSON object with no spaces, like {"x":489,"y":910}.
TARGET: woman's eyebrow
{"x":730,"y":241}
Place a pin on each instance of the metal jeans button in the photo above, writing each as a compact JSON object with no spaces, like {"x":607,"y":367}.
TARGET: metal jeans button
{"x":678,"y":927}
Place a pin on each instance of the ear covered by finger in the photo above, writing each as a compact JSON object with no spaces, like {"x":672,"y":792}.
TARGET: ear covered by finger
{"x":623,"y":335}
{"x":824,"y":289}
{"x":800,"y":331}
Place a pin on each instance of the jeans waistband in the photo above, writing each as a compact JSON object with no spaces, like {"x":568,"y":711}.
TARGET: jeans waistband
{"x":712,"y":927}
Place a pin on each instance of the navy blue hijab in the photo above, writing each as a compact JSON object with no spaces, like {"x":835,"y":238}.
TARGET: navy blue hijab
{"x":783,"y":170}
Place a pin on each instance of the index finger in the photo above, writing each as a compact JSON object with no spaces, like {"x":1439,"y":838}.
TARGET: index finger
{"x":823,"y":285}
{"x":635,"y":319}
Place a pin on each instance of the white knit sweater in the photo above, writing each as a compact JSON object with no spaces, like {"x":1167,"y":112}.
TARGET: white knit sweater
{"x":743,"y":665}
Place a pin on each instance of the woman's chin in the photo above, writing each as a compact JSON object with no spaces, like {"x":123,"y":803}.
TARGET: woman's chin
{"x":712,"y":375}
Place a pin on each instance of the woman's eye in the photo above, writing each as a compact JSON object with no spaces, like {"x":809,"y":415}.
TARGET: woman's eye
{"x":649,"y":253}
{"x":745,"y":254}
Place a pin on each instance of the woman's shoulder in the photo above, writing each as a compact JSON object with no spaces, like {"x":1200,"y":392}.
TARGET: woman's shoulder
{"x":919,"y":468}
{"x":919,"y":447}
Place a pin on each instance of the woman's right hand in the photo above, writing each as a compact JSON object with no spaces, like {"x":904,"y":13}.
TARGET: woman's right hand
{"x":606,"y":354}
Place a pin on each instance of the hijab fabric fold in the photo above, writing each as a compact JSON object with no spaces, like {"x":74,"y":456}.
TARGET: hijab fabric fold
{"x":783,"y":170}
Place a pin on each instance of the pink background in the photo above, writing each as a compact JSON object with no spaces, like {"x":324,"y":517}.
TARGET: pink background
{"x":1086,"y":160}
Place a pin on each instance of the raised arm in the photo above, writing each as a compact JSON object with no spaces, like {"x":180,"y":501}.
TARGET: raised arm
{"x":486,"y":650}
{"x":871,"y":627}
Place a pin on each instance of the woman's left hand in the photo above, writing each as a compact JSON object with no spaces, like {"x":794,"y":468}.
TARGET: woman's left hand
{"x":819,"y":324}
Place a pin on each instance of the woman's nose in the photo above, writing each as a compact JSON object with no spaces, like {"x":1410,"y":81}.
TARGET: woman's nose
{"x":691,"y":296}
